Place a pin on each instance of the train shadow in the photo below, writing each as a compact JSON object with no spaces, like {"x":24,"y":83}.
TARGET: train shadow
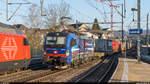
{"x":146,"y":59}
{"x":128,"y":57}
{"x":129,"y":54}
{"x":37,"y":64}
{"x":133,"y":55}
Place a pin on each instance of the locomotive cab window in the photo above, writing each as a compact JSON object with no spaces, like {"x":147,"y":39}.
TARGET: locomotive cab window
{"x":25,"y":41}
{"x":73,"y":42}
{"x":61,"y":40}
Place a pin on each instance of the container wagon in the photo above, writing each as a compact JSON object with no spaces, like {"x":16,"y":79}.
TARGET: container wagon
{"x":103,"y":47}
{"x":116,"y":45}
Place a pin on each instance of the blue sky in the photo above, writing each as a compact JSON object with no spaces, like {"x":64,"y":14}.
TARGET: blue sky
{"x":81,"y":10}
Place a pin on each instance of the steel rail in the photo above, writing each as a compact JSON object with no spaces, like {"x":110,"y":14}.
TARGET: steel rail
{"x":115,"y":71}
{"x":12,"y":76}
{"x":91,"y":71}
{"x":30,"y":76}
{"x":48,"y":76}
{"x":98,"y":70}
{"x":41,"y":79}
{"x":109,"y":69}
{"x":17,"y":76}
{"x":3,"y":77}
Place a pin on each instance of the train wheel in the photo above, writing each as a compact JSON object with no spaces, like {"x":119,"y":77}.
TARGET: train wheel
{"x":80,"y":61}
{"x":24,"y":68}
{"x":53,"y":67}
{"x":90,"y":58}
{"x":75,"y":62}
{"x":18,"y":69}
{"x":72,"y":64}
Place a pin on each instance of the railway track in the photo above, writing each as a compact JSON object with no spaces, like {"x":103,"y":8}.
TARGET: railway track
{"x":33,"y":66}
{"x":12,"y":77}
{"x":35,"y":75}
{"x":32,"y":75}
{"x":26,"y":75}
{"x":3,"y":77}
{"x":100,"y":73}
{"x":50,"y":77}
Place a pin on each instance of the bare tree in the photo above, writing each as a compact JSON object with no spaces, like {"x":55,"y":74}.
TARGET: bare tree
{"x":55,"y":12}
{"x":34,"y":19}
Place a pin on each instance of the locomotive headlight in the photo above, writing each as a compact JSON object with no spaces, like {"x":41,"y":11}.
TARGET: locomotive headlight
{"x":67,"y":53}
{"x":44,"y":53}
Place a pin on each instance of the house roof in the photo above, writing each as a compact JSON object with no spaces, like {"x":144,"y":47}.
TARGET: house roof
{"x":2,"y":25}
{"x":84,"y":26}
{"x":76,"y":26}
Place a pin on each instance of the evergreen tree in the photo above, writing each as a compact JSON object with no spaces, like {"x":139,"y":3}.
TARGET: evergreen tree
{"x":96,"y":25}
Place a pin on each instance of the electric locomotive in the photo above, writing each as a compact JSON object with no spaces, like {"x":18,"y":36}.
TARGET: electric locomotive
{"x":14,"y":49}
{"x":66,"y":49}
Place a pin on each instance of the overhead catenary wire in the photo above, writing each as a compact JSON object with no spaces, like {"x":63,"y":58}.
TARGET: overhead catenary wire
{"x":101,"y":13}
{"x":130,"y":25}
{"x":30,"y":2}
{"x":79,"y":12}
{"x":117,"y":10}
{"x":105,"y":15}
{"x":13,"y":14}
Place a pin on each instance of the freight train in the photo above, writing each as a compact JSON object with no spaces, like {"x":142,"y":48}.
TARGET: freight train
{"x":14,"y":49}
{"x":70,"y":49}
{"x":105,"y":47}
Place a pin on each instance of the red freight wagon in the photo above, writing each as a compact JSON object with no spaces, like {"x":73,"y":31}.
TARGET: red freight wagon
{"x":14,"y":49}
{"x":115,"y":46}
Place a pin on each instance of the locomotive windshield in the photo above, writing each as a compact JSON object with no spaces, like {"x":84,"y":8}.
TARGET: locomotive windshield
{"x":61,"y":40}
{"x":53,"y":40}
{"x":56,"y":40}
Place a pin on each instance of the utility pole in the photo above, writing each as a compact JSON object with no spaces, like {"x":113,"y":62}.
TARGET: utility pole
{"x":138,"y":26}
{"x":7,"y":10}
{"x":124,"y":8}
{"x":122,"y":23}
{"x":41,"y":7}
{"x":147,"y":29}
{"x":41,"y":2}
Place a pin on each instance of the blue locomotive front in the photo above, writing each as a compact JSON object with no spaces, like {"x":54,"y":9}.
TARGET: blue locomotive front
{"x":57,"y":47}
{"x":67,"y":48}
